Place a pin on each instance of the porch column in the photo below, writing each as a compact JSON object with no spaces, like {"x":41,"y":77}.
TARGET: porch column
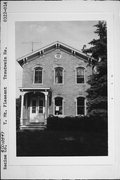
{"x":85,"y":106}
{"x":46,"y":106}
{"x":21,"y":115}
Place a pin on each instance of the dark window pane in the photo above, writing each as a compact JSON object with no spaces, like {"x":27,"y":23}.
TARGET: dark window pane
{"x":80,"y":105}
{"x":34,"y":109}
{"x":80,"y":110}
{"x":58,"y":101}
{"x":58,"y":75}
{"x":58,"y":106}
{"x":80,"y":75}
{"x":80,"y":101}
{"x":38,"y":75}
{"x":33,"y":106}
{"x":80,"y":79}
{"x":40,"y":102}
{"x":40,"y":109}
{"x":40,"y":106}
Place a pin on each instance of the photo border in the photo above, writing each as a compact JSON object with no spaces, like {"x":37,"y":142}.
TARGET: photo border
{"x":21,"y":11}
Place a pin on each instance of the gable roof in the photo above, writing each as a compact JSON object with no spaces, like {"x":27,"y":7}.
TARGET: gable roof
{"x":53,"y":46}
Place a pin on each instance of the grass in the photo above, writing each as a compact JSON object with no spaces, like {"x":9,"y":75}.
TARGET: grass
{"x":61,"y":143}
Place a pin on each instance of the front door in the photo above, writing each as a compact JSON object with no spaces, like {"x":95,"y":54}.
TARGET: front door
{"x":37,"y":109}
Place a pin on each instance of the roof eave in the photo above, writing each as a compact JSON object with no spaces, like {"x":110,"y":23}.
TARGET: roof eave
{"x":57,"y":43}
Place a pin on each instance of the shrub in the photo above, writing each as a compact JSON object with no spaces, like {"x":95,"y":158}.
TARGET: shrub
{"x":85,"y":123}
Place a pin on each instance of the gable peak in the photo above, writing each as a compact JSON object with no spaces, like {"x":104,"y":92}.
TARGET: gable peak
{"x":53,"y":46}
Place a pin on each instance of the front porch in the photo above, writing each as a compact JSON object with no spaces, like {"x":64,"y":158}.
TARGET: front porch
{"x":34,"y":108}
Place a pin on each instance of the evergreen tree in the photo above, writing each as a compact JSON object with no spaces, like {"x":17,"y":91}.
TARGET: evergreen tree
{"x":97,"y":93}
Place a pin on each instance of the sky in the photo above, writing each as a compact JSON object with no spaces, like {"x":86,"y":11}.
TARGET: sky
{"x":73,"y":33}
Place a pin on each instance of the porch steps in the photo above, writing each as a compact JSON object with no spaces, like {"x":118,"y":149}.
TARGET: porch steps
{"x":35,"y":126}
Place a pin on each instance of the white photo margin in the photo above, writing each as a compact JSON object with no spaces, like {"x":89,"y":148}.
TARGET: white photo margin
{"x":61,"y":11}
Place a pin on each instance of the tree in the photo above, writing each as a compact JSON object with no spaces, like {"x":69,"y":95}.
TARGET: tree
{"x":97,"y":93}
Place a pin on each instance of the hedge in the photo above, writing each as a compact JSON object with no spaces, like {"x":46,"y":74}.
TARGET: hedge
{"x":77,"y":123}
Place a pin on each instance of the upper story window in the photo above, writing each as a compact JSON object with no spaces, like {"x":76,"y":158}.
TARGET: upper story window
{"x":80,"y":106}
{"x":58,"y":106}
{"x":38,"y":75}
{"x":80,"y":74}
{"x":58,"y":75}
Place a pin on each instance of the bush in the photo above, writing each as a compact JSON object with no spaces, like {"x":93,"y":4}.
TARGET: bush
{"x":85,"y":123}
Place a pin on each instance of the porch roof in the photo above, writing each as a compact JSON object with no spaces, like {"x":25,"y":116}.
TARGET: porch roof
{"x":35,"y":89}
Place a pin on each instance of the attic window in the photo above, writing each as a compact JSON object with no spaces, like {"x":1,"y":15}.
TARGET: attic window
{"x":38,"y":75}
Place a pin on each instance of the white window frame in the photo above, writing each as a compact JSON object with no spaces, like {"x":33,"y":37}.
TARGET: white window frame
{"x":62,"y":76}
{"x":76,"y":74}
{"x":60,"y":115}
{"x":85,"y":112}
{"x":35,"y":98}
{"x":34,"y":75}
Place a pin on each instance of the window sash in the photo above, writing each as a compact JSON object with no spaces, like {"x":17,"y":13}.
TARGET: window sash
{"x":80,"y":79}
{"x":40,"y":106}
{"x":80,"y":75}
{"x":80,"y":71}
{"x":40,"y":109}
{"x":80,"y":110}
{"x":58,"y":112}
{"x":34,"y":106}
{"x":58,"y":75}
{"x":58,"y":106}
{"x":38,"y":75}
{"x":80,"y":106}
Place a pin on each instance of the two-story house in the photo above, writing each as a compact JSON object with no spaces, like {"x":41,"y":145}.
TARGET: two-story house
{"x":54,"y":82}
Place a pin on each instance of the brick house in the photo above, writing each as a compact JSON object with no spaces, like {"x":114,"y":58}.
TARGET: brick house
{"x":54,"y":82}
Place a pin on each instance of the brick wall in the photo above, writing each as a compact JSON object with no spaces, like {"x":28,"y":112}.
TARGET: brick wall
{"x":70,"y":89}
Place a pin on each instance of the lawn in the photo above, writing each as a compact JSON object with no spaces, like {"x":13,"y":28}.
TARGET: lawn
{"x":61,"y":143}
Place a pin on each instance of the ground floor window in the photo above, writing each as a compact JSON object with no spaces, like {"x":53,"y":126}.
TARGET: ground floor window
{"x":58,"y":106}
{"x":80,"y":106}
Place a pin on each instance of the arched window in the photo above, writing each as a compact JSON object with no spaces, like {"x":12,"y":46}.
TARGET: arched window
{"x":80,"y":106}
{"x":38,"y":75}
{"x":58,"y":75}
{"x":58,"y":106}
{"x":80,"y":74}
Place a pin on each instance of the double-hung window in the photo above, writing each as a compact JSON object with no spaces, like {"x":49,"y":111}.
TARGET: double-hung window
{"x":58,"y":75}
{"x":80,"y":106}
{"x":80,"y":75}
{"x":58,"y":106}
{"x":38,"y":75}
